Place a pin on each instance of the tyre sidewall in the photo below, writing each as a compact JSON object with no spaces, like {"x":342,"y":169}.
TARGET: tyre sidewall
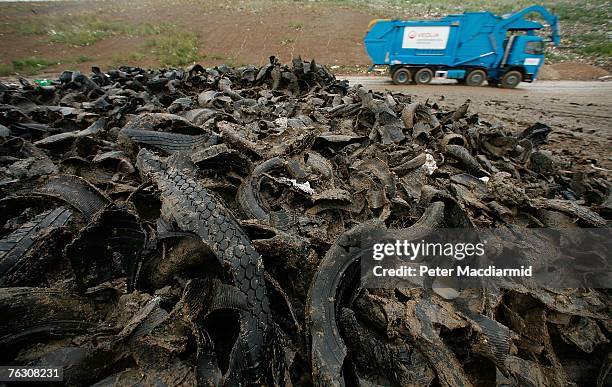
{"x":483,"y":77}
{"x":509,"y":76}
{"x":420,"y":74}
{"x":398,"y":73}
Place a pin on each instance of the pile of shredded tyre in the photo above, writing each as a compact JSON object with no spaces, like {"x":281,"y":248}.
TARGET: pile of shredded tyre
{"x":194,"y":227}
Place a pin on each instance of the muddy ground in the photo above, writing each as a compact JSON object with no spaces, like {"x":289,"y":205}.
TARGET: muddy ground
{"x":579,"y":112}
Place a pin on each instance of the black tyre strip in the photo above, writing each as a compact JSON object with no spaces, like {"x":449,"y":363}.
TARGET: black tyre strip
{"x":328,"y":290}
{"x":14,"y":248}
{"x":195,"y":209}
{"x":77,"y":192}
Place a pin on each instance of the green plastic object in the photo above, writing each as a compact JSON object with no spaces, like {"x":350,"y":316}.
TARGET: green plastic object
{"x":43,"y":82}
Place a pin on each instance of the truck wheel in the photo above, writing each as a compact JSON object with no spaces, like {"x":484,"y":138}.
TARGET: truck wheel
{"x":401,"y":76}
{"x":423,"y":76}
{"x":475,"y":78}
{"x":511,"y":79}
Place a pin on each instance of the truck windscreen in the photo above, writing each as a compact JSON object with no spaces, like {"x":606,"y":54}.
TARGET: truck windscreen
{"x":535,"y":48}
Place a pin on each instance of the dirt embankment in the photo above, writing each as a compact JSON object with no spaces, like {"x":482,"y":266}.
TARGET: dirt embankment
{"x":572,"y":71}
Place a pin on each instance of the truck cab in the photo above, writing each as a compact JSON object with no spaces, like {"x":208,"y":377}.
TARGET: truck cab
{"x":524,"y":53}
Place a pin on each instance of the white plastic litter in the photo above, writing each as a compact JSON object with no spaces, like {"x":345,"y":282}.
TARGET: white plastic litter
{"x":304,"y":187}
{"x":430,"y":164}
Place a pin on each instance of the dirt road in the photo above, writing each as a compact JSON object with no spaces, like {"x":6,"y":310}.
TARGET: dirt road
{"x":580,"y":112}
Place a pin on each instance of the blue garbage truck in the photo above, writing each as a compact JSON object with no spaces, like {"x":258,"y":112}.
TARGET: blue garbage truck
{"x":472,"y":47}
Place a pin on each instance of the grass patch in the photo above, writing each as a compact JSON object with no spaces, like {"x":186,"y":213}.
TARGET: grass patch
{"x":136,"y":56}
{"x":599,"y":49}
{"x":84,"y":31}
{"x":31,"y":65}
{"x":5,"y":70}
{"x":35,"y":65}
{"x":555,"y":56}
{"x":83,"y":59}
{"x":176,"y":49}
{"x":152,"y":29}
{"x":233,"y":62}
{"x":32,"y":27}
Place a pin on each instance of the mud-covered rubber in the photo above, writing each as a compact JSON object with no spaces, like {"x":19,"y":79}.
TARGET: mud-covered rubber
{"x":327,"y":348}
{"x":109,"y":247}
{"x":498,"y":336}
{"x":248,"y":194}
{"x":166,"y":141}
{"x":35,"y":313}
{"x":76,"y":192}
{"x":145,"y":320}
{"x":328,"y":290}
{"x":397,"y":362}
{"x":464,"y":157}
{"x":194,"y":209}
{"x":583,"y":213}
{"x":221,"y":157}
{"x":14,"y":248}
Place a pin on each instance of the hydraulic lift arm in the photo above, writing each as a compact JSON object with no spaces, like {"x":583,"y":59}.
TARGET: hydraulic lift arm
{"x":552,"y":20}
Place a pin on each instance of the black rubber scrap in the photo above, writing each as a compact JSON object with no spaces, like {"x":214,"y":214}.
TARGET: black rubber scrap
{"x":167,"y":142}
{"x":77,"y":192}
{"x":195,"y":209}
{"x":397,"y":362}
{"x":336,"y":270}
{"x":221,"y":157}
{"x":248,"y":194}
{"x":332,"y":282}
{"x":37,"y":313}
{"x":109,"y":247}
{"x":15,"y":247}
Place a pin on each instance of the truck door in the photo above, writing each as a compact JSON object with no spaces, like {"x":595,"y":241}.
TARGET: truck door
{"x":527,"y":52}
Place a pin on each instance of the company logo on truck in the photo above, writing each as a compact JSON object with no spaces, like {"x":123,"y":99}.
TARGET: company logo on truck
{"x":431,"y":38}
{"x":413,"y":34}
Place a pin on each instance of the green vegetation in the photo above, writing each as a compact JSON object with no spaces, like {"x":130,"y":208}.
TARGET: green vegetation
{"x":5,"y":70}
{"x":216,"y":57}
{"x":76,"y":30}
{"x":136,"y":56}
{"x":175,"y":49}
{"x":34,"y":27}
{"x":31,"y":65}
{"x":555,"y":56}
{"x":82,"y":59}
{"x":151,"y":29}
{"x":34,"y":65}
{"x":85,"y":30}
{"x":599,"y":49}
{"x":169,"y":43}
